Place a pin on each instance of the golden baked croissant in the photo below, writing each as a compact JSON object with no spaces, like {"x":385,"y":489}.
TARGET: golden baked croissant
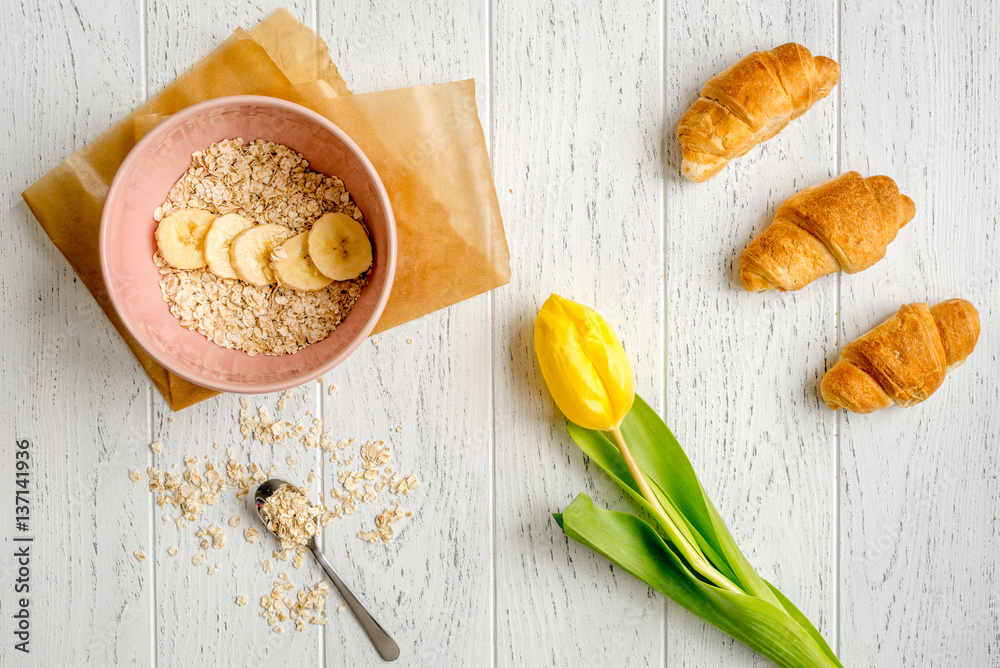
{"x":844,"y":223}
{"x":749,"y":103}
{"x":903,"y":360}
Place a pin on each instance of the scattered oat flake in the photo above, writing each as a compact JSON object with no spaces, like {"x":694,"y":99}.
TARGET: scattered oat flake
{"x":267,"y":566}
{"x":399,"y":427}
{"x":139,"y":555}
{"x":251,"y":535}
{"x":156,"y":446}
{"x":234,"y":521}
{"x":198,"y":559}
{"x":383,"y":525}
{"x":241,"y":600}
{"x":409,"y":340}
{"x":172,"y":551}
{"x":341,"y":608}
{"x":213,"y":536}
{"x":331,"y":390}
{"x":283,"y":400}
{"x":307,"y":606}
{"x":134,"y":475}
{"x":404,"y":485}
{"x":212,"y":570}
{"x":189,"y":492}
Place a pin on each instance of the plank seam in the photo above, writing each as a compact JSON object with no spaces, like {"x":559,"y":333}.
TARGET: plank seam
{"x":321,"y":407}
{"x":151,"y":530}
{"x":321,"y":467}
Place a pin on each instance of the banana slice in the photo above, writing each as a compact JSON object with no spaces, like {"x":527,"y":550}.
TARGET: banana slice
{"x":181,"y":238}
{"x":217,"y":241}
{"x":250,"y":252}
{"x":339,"y":247}
{"x":293,"y":268}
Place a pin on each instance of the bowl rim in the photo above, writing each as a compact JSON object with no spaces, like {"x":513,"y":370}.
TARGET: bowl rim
{"x":391,"y":236}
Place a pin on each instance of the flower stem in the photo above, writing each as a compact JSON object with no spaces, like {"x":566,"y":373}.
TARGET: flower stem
{"x":675,"y":528}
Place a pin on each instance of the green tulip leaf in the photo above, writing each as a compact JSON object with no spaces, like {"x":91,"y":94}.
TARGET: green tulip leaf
{"x":662,"y":459}
{"x":761,"y":617}
{"x":634,"y":546}
{"x":606,"y":455}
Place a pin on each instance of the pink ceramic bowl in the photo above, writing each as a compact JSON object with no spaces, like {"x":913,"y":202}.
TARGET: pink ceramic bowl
{"x":127,"y":244}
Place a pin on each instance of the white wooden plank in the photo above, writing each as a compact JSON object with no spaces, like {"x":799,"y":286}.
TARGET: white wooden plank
{"x":743,"y":369}
{"x":70,"y":387}
{"x":196,"y":615}
{"x":432,"y":586}
{"x":181,"y":32}
{"x":381,"y":46}
{"x":920,"y":504}
{"x":578,"y":114}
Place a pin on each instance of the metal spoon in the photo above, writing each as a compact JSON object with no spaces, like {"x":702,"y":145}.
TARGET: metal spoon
{"x":385,"y":645}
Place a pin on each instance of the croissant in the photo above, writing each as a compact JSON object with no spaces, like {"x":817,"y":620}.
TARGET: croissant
{"x":844,"y":223}
{"x":749,"y":103}
{"x":903,"y":360}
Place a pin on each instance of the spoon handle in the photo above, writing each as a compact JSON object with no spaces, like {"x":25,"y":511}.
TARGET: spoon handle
{"x":384,"y":643}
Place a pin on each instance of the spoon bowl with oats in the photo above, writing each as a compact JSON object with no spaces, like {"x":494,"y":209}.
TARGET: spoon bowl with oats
{"x":287,"y":512}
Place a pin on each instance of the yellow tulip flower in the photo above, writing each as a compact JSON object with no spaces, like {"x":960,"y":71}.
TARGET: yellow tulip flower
{"x":584,"y":364}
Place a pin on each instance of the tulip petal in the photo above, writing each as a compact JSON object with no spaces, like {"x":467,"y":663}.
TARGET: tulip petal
{"x":572,"y":379}
{"x":583,"y":364}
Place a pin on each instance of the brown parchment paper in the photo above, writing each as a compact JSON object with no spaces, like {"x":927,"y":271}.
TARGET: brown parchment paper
{"x":298,"y":51}
{"x":428,"y":146}
{"x":426,"y":143}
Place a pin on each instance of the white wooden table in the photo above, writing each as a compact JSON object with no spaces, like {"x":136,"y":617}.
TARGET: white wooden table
{"x":882,"y":528}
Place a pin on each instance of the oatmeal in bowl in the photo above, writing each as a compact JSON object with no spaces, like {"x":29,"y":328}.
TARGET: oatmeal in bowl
{"x":240,"y":242}
{"x":269,"y":244}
